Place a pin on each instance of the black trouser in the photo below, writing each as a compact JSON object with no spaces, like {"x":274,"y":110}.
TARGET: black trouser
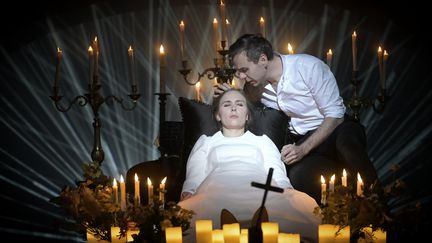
{"x":345,"y":148}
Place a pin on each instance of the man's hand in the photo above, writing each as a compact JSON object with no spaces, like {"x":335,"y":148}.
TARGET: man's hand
{"x":220,"y":88}
{"x":185,"y":195}
{"x":292,"y":153}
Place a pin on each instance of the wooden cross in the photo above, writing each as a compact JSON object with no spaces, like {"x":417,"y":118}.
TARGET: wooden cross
{"x":267,"y":187}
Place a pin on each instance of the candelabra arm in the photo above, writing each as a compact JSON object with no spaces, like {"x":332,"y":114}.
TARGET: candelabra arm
{"x":134,"y":98}
{"x":81,"y":100}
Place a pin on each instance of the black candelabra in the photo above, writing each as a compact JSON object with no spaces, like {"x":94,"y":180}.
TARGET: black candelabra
{"x":94,"y":97}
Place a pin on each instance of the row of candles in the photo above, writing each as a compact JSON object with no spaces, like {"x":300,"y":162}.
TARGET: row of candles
{"x":137,"y":195}
{"x":331,"y":186}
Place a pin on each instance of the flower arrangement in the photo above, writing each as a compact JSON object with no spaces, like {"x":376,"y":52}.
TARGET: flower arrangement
{"x":344,"y":208}
{"x":91,"y":207}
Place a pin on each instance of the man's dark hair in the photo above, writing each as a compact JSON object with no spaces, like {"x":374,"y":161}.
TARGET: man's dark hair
{"x":254,"y":45}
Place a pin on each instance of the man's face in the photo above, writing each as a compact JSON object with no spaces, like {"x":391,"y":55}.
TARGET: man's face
{"x":253,"y":73}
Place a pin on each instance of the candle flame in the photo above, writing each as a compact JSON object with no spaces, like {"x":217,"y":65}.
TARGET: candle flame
{"x":261,"y":20}
{"x":344,"y":173}
{"x":332,"y":179}
{"x":385,"y":55}
{"x":59,"y":50}
{"x":95,"y":39}
{"x":114,"y":183}
{"x":164,"y":180}
{"x":182,"y":23}
{"x":227,"y":21}
{"x":215,"y":21}
{"x":121,"y":179}
{"x":161,"y":49}
{"x":322,"y":179}
{"x":354,"y":34}
{"x":222,"y":3}
{"x":290,"y":49}
{"x":149,"y":181}
{"x":130,"y":48}
{"x":379,"y":49}
{"x":90,"y":50}
{"x":330,"y":52}
{"x":197,"y":85}
{"x":359,"y":178}
{"x":136,"y":178}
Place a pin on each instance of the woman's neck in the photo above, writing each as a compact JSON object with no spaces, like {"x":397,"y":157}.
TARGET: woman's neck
{"x":232,"y":132}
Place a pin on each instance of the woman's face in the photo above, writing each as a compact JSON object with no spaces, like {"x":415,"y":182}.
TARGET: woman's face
{"x":232,"y":111}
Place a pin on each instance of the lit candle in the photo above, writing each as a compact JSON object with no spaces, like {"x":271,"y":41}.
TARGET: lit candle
{"x":231,"y":233}
{"x":115,"y":191}
{"x":131,"y":65}
{"x":122,"y":194}
{"x":262,"y":26}
{"x":215,"y":35}
{"x":359,"y":185}
{"x":327,"y":234}
{"x":222,"y":17}
{"x":290,"y":49}
{"x":162,"y":190}
{"x":217,"y":236}
{"x":228,"y":28}
{"x":197,"y":88}
{"x":173,"y":235}
{"x":385,"y":57}
{"x":354,"y":50}
{"x":244,"y":236}
{"x":162,"y":69}
{"x":344,"y":178}
{"x":182,"y":33}
{"x":323,"y":190}
{"x":204,"y":230}
{"x":332,"y":183}
{"x":137,"y":190}
{"x":380,"y":64}
{"x":96,"y":61}
{"x":329,"y":57}
{"x":289,"y":238}
{"x":57,"y":72}
{"x":149,"y":191}
{"x":91,"y":63}
{"x":270,"y":232}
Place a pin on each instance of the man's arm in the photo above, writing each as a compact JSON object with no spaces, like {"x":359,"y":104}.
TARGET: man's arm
{"x":292,"y":153}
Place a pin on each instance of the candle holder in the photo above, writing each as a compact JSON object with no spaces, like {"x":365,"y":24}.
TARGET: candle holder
{"x":356,"y":102}
{"x":95,"y":99}
{"x":222,"y":70}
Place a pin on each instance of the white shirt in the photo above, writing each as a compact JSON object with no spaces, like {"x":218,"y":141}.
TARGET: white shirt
{"x":307,"y":92}
{"x":235,"y":155}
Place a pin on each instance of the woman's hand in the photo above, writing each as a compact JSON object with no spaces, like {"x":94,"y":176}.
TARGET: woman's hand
{"x":185,"y":195}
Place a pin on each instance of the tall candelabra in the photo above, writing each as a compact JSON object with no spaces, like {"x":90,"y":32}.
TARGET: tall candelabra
{"x":94,"y":97}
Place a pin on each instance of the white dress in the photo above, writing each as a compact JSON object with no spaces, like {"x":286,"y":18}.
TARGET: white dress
{"x":219,"y":173}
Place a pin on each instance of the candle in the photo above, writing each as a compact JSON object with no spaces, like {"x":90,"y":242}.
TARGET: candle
{"x":359,"y":185}
{"x":137,"y":190}
{"x":91,"y":63}
{"x":222,"y":17}
{"x":162,"y":68}
{"x":380,"y":64}
{"x":290,"y":49}
{"x":215,"y":35}
{"x":182,"y":33}
{"x":162,"y":190}
{"x":204,"y":230}
{"x":231,"y":233}
{"x":115,"y":232}
{"x":96,"y":61}
{"x":331,"y":183}
{"x":354,"y":50}
{"x":289,"y":238}
{"x":197,"y":88}
{"x":149,"y":191}
{"x":173,"y":235}
{"x":122,"y":194}
{"x":131,"y":65}
{"x":244,"y":236}
{"x":329,"y":57}
{"x":270,"y":232}
{"x":323,"y":190}
{"x":262,"y":26}
{"x":92,"y":239}
{"x":344,"y":178}
{"x":115,"y":191}
{"x":377,"y":236}
{"x":327,"y":234}
{"x":385,"y":57}
{"x":57,"y":72}
{"x":217,"y":236}
{"x":228,"y":28}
